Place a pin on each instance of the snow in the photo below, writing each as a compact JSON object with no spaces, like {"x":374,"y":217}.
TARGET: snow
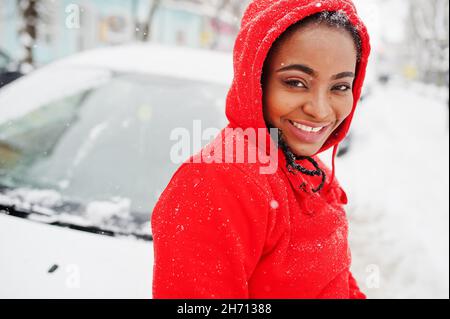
{"x":396,"y":176}
{"x":184,"y":63}
{"x":42,"y":197}
{"x":100,"y":212}
{"x":6,"y":200}
{"x":274,"y":204}
{"x":113,"y":214}
{"x":28,"y":199}
{"x":88,"y":265}
{"x":26,"y":40}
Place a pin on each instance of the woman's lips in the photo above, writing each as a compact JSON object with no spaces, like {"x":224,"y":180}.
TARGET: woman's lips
{"x":307,"y":137}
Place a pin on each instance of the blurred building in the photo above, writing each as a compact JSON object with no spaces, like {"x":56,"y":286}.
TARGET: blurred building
{"x":69,"y":26}
{"x":410,"y":39}
{"x":428,"y":40}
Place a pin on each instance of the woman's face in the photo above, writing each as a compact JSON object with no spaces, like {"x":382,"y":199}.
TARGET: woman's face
{"x":308,"y":86}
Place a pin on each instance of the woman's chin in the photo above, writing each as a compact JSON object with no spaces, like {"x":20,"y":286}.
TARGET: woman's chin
{"x":304,"y":154}
{"x":304,"y":149}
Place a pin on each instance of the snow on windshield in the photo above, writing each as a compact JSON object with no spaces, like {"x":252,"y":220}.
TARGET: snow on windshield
{"x":48,"y":206}
{"x":46,"y":85}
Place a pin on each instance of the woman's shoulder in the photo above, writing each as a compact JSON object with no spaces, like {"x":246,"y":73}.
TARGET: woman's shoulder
{"x":204,"y":188}
{"x":232,"y":154}
{"x":239,"y":176}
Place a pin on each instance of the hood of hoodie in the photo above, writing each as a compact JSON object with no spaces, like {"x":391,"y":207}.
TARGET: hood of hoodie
{"x":263,"y":22}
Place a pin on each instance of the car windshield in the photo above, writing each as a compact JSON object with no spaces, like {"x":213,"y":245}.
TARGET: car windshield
{"x":106,"y":148}
{"x":4,"y":61}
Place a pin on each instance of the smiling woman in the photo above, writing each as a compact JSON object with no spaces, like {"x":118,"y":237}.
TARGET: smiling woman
{"x":307,"y":82}
{"x":227,"y":230}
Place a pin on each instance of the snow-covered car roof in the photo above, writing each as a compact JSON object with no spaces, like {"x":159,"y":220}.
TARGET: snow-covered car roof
{"x":94,"y":67}
{"x":180,"y":62}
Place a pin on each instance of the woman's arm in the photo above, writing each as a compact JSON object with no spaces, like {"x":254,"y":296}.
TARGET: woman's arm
{"x":209,"y":229}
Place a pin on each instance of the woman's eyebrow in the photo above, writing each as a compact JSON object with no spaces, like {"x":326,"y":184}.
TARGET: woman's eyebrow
{"x":306,"y":69}
{"x":298,"y":67}
{"x":343,"y":75}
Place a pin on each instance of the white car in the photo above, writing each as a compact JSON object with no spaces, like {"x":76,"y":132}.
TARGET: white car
{"x":84,"y":155}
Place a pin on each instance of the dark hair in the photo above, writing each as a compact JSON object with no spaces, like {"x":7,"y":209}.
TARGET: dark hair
{"x":332,"y":19}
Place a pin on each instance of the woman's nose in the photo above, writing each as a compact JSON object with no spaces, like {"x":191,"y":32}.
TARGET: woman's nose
{"x":318,"y":106}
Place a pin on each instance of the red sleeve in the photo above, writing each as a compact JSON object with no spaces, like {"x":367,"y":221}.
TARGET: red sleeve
{"x":209,"y":229}
{"x":355,"y":292}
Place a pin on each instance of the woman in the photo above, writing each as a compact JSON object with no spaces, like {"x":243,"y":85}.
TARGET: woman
{"x":225,"y":229}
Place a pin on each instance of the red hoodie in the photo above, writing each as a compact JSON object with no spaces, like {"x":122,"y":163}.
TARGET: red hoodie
{"x":225,"y":230}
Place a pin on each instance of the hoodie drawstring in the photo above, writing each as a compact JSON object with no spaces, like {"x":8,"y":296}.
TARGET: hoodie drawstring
{"x":333,"y":164}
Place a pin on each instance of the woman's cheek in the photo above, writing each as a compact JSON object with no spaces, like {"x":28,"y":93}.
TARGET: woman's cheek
{"x":286,"y":103}
{"x":345,"y":109}
{"x":276,"y":109}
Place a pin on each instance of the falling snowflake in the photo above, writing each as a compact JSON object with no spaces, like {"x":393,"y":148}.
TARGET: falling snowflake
{"x":274,"y":204}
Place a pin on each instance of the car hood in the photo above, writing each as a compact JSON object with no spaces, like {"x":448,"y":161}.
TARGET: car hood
{"x":43,"y":261}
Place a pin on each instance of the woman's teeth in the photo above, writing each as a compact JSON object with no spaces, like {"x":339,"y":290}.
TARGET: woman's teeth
{"x":306,"y":128}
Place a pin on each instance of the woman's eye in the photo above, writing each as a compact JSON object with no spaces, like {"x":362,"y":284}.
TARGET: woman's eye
{"x":295,"y":83}
{"x":342,"y":88}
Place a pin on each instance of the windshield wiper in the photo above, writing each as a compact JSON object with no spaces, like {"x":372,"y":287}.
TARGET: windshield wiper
{"x":15,"y":210}
{"x":21,"y":212}
{"x":101,"y":231}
